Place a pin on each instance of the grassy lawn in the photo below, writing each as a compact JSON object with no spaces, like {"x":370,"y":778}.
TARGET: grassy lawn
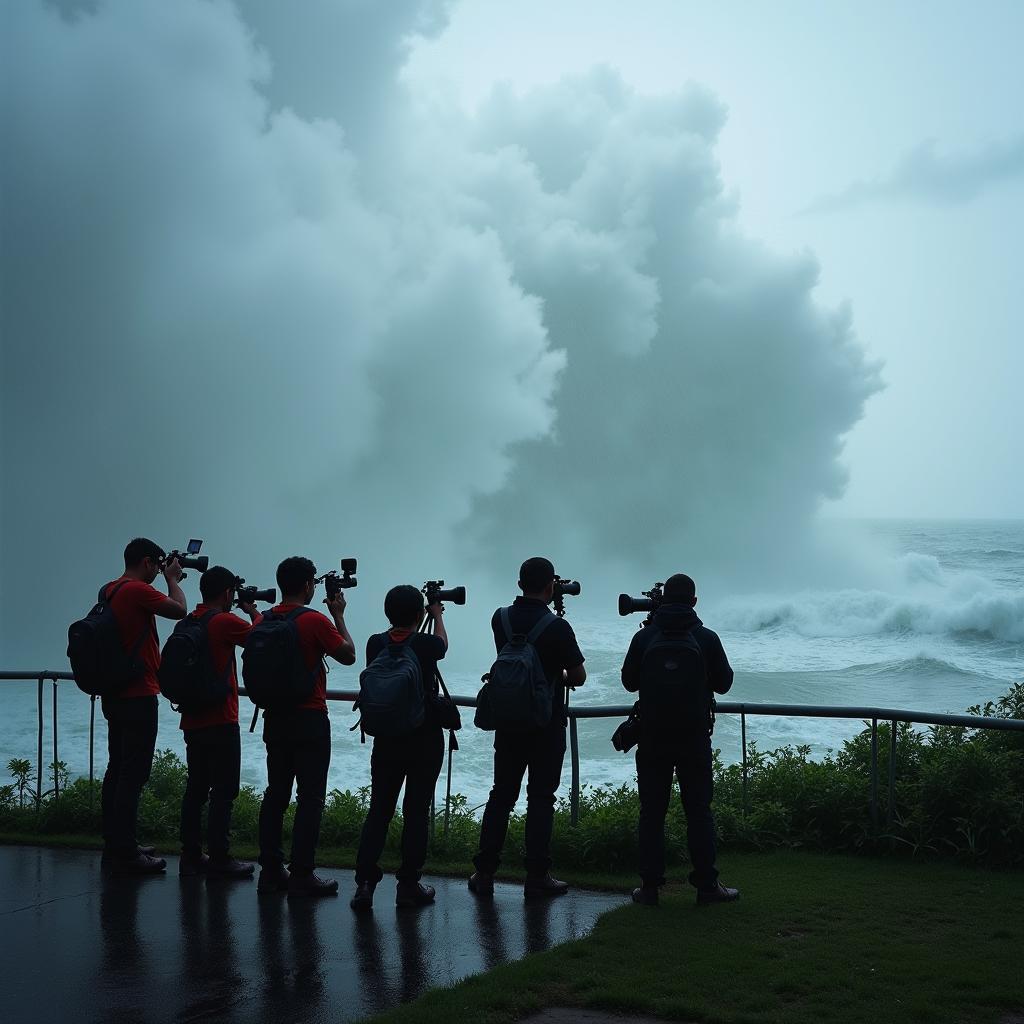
{"x":815,"y":938}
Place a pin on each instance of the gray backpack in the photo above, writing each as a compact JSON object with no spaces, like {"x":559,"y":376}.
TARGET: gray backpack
{"x":516,"y":694}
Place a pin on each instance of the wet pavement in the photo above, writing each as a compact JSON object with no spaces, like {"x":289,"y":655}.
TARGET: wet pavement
{"x":77,"y":946}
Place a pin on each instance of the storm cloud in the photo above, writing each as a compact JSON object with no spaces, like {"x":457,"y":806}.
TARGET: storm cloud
{"x":255,"y":289}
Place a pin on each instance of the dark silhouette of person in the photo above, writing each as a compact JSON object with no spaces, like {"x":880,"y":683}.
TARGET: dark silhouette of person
{"x":677,"y":664}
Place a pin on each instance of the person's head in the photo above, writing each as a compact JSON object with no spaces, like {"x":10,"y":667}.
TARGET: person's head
{"x":537,"y":579}
{"x":142,"y":558}
{"x":295,"y":580}
{"x":404,"y":607}
{"x":680,"y":589}
{"x":217,"y":585}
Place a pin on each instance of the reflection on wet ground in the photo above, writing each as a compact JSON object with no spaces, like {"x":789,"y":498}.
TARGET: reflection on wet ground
{"x":80,"y":947}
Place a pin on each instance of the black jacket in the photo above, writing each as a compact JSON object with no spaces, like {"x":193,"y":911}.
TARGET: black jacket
{"x":679,"y":617}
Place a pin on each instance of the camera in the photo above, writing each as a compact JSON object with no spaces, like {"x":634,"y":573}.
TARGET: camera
{"x":563,"y":589}
{"x":434,"y":593}
{"x":250,"y":595}
{"x":650,"y":602}
{"x":334,"y":583}
{"x":190,"y":559}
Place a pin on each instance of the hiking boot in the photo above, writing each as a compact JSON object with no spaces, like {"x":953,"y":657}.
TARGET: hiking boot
{"x":717,"y":894}
{"x":192,"y":864}
{"x":140,"y":864}
{"x":111,"y":857}
{"x":646,"y":895}
{"x":149,"y":851}
{"x":363,"y":898}
{"x":273,"y":878}
{"x":544,"y":885}
{"x":311,"y":884}
{"x":413,"y":894}
{"x":228,"y":867}
{"x":481,"y":883}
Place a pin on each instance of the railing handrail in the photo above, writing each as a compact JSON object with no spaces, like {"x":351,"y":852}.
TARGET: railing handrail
{"x":741,"y":708}
{"x":852,"y":712}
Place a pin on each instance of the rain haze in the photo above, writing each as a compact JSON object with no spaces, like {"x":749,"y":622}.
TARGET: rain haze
{"x":646,"y":289}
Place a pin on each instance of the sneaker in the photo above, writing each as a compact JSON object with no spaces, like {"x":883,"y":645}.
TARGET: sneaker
{"x":311,"y":884}
{"x":149,"y":851}
{"x":544,"y":885}
{"x":718,"y":894}
{"x":646,"y":896}
{"x":481,"y":883}
{"x":110,"y":857}
{"x":363,"y":898}
{"x":228,"y":867}
{"x":413,"y":894}
{"x":140,"y":864}
{"x":192,"y":864}
{"x":273,"y":878}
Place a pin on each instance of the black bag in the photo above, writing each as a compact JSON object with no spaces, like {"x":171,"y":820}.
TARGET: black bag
{"x":273,"y":669}
{"x":516,"y":694}
{"x":675,"y":697}
{"x":98,"y":660}
{"x":627,"y":735}
{"x":391,"y":701}
{"x":444,"y":710}
{"x":187,"y":676}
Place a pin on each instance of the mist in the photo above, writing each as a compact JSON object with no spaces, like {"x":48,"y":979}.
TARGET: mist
{"x":257,"y":290}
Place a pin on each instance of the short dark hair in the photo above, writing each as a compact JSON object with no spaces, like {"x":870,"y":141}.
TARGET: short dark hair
{"x":403,"y":605}
{"x":680,"y":588}
{"x":215,"y":581}
{"x":140,"y":548}
{"x":535,"y":574}
{"x":294,"y":573}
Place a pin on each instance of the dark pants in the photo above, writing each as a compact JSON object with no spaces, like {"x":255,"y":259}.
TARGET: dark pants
{"x":690,"y":761}
{"x":415,"y":761}
{"x":298,"y":751}
{"x":131,"y":740}
{"x":541,"y":752}
{"x":214,"y":757}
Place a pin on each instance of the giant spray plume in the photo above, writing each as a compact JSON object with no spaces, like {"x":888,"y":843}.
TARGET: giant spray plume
{"x":254,"y":287}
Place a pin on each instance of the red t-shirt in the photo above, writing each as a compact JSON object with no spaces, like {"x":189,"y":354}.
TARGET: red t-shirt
{"x":226,"y":632}
{"x":317,"y":638}
{"x":133,"y":606}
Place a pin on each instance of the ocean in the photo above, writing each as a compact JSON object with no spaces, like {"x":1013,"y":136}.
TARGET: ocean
{"x":946,"y":634}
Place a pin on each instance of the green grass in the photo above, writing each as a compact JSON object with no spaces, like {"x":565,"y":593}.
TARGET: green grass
{"x":814,"y":938}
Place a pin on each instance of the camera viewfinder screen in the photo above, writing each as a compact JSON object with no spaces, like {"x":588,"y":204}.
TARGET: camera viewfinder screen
{"x":194,"y":546}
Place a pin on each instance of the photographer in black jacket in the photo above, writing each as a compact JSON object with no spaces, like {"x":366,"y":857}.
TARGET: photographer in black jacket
{"x":676,"y":663}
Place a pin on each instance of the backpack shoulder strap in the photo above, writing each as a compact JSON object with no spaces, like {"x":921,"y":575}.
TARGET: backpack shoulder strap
{"x":296,"y":612}
{"x":204,"y":619}
{"x":506,"y":624}
{"x":102,"y":598}
{"x":534,"y":634}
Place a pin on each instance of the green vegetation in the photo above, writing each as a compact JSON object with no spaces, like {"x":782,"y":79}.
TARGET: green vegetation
{"x":959,"y":794}
{"x":814,"y":938}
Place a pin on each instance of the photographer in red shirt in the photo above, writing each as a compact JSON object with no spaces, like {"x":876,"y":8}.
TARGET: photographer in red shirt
{"x":132,"y":714}
{"x":213,"y":748}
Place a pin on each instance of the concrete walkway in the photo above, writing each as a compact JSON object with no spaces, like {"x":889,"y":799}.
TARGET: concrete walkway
{"x":78,"y":947}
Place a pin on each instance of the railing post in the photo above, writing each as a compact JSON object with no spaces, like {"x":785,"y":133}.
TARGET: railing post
{"x":892,"y":772}
{"x":874,"y":772}
{"x":39,"y":747}
{"x":56,"y":772}
{"x":574,"y":748}
{"x":743,"y":743}
{"x":92,"y":733}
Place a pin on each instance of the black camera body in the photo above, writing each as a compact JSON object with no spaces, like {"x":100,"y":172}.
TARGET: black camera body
{"x":562,"y":590}
{"x":189,"y":559}
{"x":650,"y":602}
{"x":250,"y":595}
{"x":434,"y":593}
{"x":335,"y":584}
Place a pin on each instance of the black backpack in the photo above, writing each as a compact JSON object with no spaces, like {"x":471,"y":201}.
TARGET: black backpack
{"x":516,"y":694}
{"x":391,"y":699}
{"x":101,"y":666}
{"x":675,"y":697}
{"x":273,"y":668}
{"x":187,"y":676}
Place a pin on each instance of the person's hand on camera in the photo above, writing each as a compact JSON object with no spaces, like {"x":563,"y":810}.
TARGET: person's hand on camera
{"x":435,"y":611}
{"x":336,"y":605}
{"x":249,"y":607}
{"x":172,"y":571}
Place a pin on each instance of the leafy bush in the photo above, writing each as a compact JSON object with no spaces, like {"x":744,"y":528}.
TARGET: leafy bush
{"x":959,"y":793}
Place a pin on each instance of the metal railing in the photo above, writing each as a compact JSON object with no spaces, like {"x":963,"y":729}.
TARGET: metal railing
{"x":874,"y":715}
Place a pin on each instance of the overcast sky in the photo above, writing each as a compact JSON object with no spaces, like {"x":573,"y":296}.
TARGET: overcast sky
{"x":898,"y":128}
{"x":619,"y":283}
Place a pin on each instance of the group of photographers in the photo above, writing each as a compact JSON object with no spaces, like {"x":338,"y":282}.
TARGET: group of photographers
{"x":673,"y":662}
